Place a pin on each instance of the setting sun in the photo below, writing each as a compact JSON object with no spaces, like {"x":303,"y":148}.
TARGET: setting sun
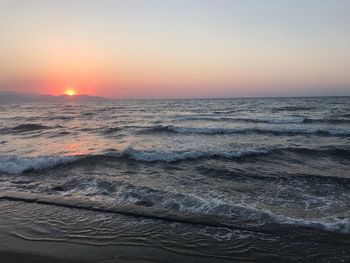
{"x":70,"y":92}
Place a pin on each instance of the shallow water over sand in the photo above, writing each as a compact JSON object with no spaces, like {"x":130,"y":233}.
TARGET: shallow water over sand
{"x":82,"y":234}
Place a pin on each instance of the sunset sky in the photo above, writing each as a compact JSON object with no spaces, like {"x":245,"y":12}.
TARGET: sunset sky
{"x":176,"y":48}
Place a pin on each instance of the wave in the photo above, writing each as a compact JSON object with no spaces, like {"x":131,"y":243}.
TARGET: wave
{"x":296,"y":120}
{"x":60,"y":134}
{"x":88,"y":113}
{"x":60,"y":117}
{"x":18,"y":165}
{"x":292,"y":108}
{"x":261,"y":130}
{"x":325,"y":121}
{"x":339,"y":152}
{"x":172,"y":156}
{"x":175,"y":156}
{"x":289,"y":120}
{"x":111,"y":130}
{"x":27,"y":127}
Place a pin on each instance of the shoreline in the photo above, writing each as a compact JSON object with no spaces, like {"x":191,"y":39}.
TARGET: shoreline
{"x":39,"y":233}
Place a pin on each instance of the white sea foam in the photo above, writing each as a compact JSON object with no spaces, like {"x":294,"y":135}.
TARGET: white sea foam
{"x":161,"y":155}
{"x":331,"y":223}
{"x":191,"y":203}
{"x":17,"y":165}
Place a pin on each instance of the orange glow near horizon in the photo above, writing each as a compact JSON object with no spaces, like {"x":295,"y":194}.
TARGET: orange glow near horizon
{"x":124,"y":50}
{"x":70,"y":92}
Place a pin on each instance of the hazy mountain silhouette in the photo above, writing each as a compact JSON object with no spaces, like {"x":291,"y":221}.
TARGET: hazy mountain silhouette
{"x":12,"y":97}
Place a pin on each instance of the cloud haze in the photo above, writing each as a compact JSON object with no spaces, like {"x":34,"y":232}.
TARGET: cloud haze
{"x":176,"y":48}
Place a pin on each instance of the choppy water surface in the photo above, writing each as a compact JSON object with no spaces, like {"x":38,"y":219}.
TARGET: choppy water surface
{"x":281,"y":160}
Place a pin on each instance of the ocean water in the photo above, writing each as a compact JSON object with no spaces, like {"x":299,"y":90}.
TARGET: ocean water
{"x":280,"y":161}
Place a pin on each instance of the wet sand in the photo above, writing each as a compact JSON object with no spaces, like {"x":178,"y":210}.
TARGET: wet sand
{"x":38,"y":232}
{"x":16,"y":257}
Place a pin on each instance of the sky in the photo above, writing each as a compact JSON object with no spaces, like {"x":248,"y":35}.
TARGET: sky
{"x":176,"y":48}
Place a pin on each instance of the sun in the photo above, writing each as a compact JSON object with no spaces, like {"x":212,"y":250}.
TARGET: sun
{"x":70,"y":92}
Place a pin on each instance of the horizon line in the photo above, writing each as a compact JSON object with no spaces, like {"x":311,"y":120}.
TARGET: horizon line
{"x":179,"y":98}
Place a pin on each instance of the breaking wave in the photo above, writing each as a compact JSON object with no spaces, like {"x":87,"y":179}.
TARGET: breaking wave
{"x":18,"y":165}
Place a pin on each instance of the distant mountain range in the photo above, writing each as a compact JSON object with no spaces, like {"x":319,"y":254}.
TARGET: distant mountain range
{"x":13,"y":97}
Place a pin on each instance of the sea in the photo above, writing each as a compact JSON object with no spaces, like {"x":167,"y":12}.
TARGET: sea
{"x":223,"y":179}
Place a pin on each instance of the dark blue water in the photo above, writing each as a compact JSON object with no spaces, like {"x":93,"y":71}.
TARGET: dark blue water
{"x":274,"y":160}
